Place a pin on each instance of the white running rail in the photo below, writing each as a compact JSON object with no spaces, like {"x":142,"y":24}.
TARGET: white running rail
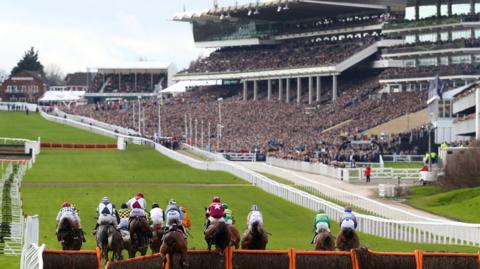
{"x":32,"y":257}
{"x":410,"y":231}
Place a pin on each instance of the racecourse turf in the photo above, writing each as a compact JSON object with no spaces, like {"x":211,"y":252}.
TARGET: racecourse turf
{"x":84,"y":177}
{"x":459,"y":204}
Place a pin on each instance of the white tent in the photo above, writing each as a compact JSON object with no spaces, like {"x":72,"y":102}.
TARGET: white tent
{"x":62,"y":96}
{"x":182,"y":86}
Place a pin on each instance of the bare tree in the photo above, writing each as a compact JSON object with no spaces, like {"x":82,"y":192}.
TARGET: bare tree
{"x":3,"y":75}
{"x":55,"y":75}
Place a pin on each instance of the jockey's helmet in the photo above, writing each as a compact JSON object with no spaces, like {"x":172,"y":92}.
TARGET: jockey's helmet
{"x":105,"y":200}
{"x":225,"y":205}
{"x":172,"y":202}
{"x":124,"y":206}
{"x":155,"y":205}
{"x":321,"y":210}
{"x":254,"y":208}
{"x":66,"y":204}
{"x":348,"y":210}
{"x":216,"y":199}
{"x":139,"y":194}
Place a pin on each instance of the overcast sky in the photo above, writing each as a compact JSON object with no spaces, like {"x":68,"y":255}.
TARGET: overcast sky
{"x":91,"y":33}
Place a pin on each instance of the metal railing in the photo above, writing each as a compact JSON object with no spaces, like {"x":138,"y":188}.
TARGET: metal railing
{"x":435,"y":232}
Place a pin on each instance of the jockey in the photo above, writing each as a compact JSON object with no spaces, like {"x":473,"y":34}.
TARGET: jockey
{"x":348,"y":219}
{"x":123,"y":214}
{"x":138,"y":205}
{"x":106,"y":213}
{"x":229,"y":219}
{"x":156,"y":215}
{"x":69,"y":212}
{"x":215,"y":212}
{"x":320,"y":221}
{"x":174,"y":216}
{"x":254,"y":216}
{"x":186,"y":219}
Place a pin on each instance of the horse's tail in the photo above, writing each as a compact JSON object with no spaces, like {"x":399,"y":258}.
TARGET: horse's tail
{"x":327,"y":240}
{"x":348,"y":233}
{"x":220,"y":236}
{"x":257,"y":231}
{"x":64,"y":227}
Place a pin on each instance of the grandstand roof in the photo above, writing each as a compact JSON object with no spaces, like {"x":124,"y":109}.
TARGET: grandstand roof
{"x":274,"y":10}
{"x":135,"y":67}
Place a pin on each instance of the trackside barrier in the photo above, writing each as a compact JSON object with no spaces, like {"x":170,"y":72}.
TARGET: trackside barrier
{"x":206,"y":154}
{"x":53,"y":259}
{"x":295,"y":259}
{"x":429,"y":231}
{"x":32,"y":257}
{"x":78,"y":146}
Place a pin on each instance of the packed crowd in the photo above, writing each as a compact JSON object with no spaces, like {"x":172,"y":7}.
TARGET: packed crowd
{"x":285,"y":130}
{"x":292,"y":54}
{"x":430,"y":71}
{"x":465,"y":93}
{"x":127,"y":82}
{"x":438,"y":45}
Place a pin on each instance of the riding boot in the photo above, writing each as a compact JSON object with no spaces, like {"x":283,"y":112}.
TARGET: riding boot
{"x":82,"y":235}
{"x":94,"y":232}
{"x":313,"y":239}
{"x":184,"y":231}
{"x":207,"y":224}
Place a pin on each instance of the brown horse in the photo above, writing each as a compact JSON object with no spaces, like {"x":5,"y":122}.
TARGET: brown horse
{"x":255,"y":238}
{"x":174,"y":243}
{"x":109,"y":239}
{"x":347,"y":239}
{"x":156,"y":241}
{"x":234,"y":236}
{"x":324,"y":240}
{"x":218,"y":234}
{"x":69,"y":235}
{"x":140,"y":234}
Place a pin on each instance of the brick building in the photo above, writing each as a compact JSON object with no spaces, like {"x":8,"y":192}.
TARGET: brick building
{"x":26,"y":86}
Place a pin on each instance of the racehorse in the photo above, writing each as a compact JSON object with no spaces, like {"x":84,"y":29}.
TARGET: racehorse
{"x":69,"y":235}
{"x":156,"y":241}
{"x":174,"y":243}
{"x":139,"y":236}
{"x":255,"y":238}
{"x":218,"y":234}
{"x":234,"y":236}
{"x":108,"y":238}
{"x":347,"y":239}
{"x":324,"y":240}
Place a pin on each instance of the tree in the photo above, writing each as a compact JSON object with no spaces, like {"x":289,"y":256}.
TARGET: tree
{"x":29,"y":62}
{"x":54,"y":75}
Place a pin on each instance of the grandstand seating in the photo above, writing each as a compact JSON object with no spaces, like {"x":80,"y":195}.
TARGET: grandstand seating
{"x":430,"y":71}
{"x":266,"y":125}
{"x":302,"y":53}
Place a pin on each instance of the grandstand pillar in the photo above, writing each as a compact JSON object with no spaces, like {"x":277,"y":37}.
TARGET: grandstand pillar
{"x":417,"y":10}
{"x":310,"y":90}
{"x":449,"y":7}
{"x":269,"y":89}
{"x":255,"y":90}
{"x":299,"y":90}
{"x":245,"y":86}
{"x":319,"y":88}
{"x":287,"y":94}
{"x":472,"y":7}
{"x":438,"y":4}
{"x":136,"y":82}
{"x":280,"y":89}
{"x":119,"y":82}
{"x":334,"y":87}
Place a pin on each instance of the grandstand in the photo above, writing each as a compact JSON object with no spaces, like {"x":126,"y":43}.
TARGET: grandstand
{"x":142,"y":79}
{"x":285,"y":44}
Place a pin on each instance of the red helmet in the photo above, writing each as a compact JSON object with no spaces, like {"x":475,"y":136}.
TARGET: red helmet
{"x":139,"y":194}
{"x":66,"y":204}
{"x":216,"y":199}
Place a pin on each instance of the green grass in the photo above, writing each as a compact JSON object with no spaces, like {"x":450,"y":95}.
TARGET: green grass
{"x":19,"y":125}
{"x":289,"y":225}
{"x":460,"y":204}
{"x":279,"y":179}
{"x":8,"y":262}
{"x":403,"y":165}
{"x":137,"y":164}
